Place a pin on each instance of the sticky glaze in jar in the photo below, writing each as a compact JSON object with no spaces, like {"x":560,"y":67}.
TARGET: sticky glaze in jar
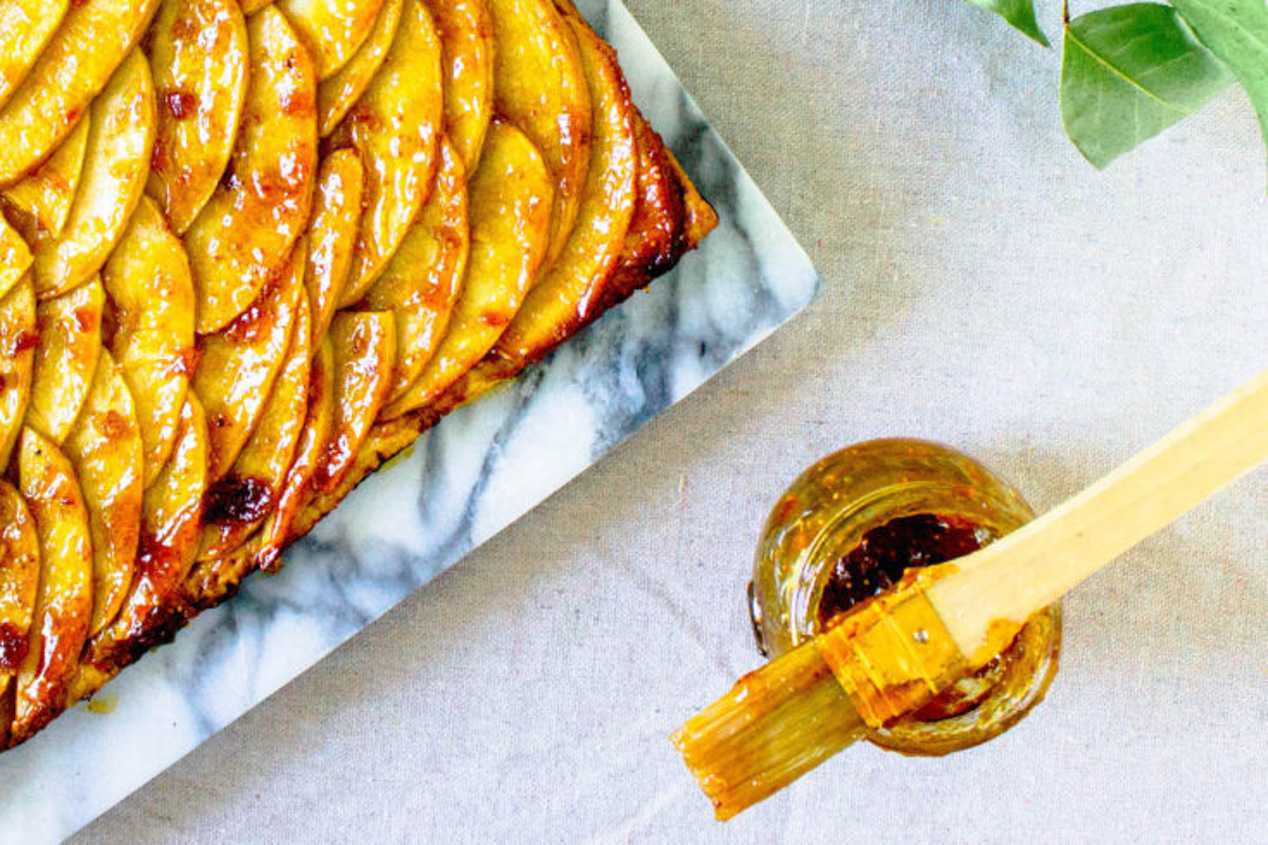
{"x":847,"y":529}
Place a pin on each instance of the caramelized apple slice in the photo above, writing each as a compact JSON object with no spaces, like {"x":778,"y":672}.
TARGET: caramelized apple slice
{"x":364,"y":343}
{"x":238,"y":366}
{"x":337,"y":94}
{"x":421,"y":282}
{"x":66,"y":358}
{"x":15,"y":257}
{"x":237,"y":504}
{"x":25,"y":29}
{"x":63,"y":601}
{"x":244,"y":234}
{"x":198,"y":52}
{"x":539,"y":86}
{"x":563,"y":298}
{"x":250,"y":7}
{"x":19,"y":577}
{"x":332,"y":234}
{"x":18,"y":339}
{"x":510,"y":196}
{"x":45,"y":196}
{"x":297,"y":490}
{"x":116,"y":163}
{"x":105,"y":450}
{"x":466,"y":33}
{"x":170,"y":516}
{"x":80,"y":58}
{"x":333,"y":29}
{"x":151,"y":297}
{"x":393,"y":126}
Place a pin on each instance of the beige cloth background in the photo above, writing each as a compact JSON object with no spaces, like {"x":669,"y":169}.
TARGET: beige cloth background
{"x":983,"y":287}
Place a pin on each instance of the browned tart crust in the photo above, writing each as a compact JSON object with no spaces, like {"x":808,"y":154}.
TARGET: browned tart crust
{"x":249,"y":252}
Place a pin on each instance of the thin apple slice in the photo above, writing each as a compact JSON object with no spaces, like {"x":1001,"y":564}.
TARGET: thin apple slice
{"x":18,"y":339}
{"x":105,"y":450}
{"x":420,"y":284}
{"x":116,"y":162}
{"x":76,"y":64}
{"x":238,"y":366}
{"x":364,"y":343}
{"x":66,"y":358}
{"x":337,"y":94}
{"x":150,"y":329}
{"x":297,"y":490}
{"x":170,"y":516}
{"x":15,"y":257}
{"x":510,"y":196}
{"x":466,"y":33}
{"x":63,"y":602}
{"x":198,"y":51}
{"x":19,"y":578}
{"x":562,"y":300}
{"x":250,"y":7}
{"x":540,"y":87}
{"x":332,"y":233}
{"x":394,"y":127}
{"x":244,"y":234}
{"x":45,"y":196}
{"x":239,"y":502}
{"x":26,"y":26}
{"x":333,"y":29}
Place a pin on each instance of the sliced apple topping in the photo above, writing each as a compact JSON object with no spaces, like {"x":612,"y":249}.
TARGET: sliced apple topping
{"x":116,"y":163}
{"x":466,"y":33}
{"x":364,"y":343}
{"x":561,"y":301}
{"x":76,"y":64}
{"x":333,"y":29}
{"x":170,"y":516}
{"x":66,"y":358}
{"x":150,"y":328}
{"x":510,"y":200}
{"x":25,"y":29}
{"x":337,"y":94}
{"x":105,"y":450}
{"x":198,"y":50}
{"x":297,"y":490}
{"x":394,"y":127}
{"x":238,"y":366}
{"x":18,"y":340}
{"x":244,"y":235}
{"x":333,"y":233}
{"x":239,"y":502}
{"x":15,"y":257}
{"x":540,"y":87}
{"x":19,"y":578}
{"x":421,"y":282}
{"x":63,"y":602}
{"x":43,"y":199}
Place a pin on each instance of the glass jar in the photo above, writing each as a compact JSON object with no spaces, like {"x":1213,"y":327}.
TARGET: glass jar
{"x":821,"y":541}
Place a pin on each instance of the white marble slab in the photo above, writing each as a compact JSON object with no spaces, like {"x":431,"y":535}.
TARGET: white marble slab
{"x":479,"y":471}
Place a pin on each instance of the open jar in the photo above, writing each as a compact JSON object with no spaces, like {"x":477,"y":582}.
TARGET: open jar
{"x":845,"y":531}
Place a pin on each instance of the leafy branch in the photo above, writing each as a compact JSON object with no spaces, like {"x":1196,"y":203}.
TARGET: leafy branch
{"x":1128,"y":72}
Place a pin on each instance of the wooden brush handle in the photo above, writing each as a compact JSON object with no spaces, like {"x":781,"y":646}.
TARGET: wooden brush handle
{"x":994,"y":590}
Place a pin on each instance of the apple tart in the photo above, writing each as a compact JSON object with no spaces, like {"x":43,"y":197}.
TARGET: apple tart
{"x":249,"y":251}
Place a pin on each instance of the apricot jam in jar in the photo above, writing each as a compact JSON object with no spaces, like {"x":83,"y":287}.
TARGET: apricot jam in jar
{"x":849,"y":527}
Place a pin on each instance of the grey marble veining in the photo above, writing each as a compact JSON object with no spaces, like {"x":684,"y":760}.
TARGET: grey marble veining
{"x":480,"y":470}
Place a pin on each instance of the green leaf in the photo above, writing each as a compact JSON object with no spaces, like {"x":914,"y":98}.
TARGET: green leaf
{"x":1237,"y":32}
{"x":1019,"y":13}
{"x":1129,"y":72}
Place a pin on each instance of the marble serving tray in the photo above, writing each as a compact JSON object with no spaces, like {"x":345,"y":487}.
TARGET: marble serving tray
{"x":479,"y":471}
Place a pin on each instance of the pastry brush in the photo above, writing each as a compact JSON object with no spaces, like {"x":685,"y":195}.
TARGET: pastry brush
{"x":892,"y":654}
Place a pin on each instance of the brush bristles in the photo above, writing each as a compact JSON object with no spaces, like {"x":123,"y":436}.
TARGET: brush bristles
{"x":774,"y":725}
